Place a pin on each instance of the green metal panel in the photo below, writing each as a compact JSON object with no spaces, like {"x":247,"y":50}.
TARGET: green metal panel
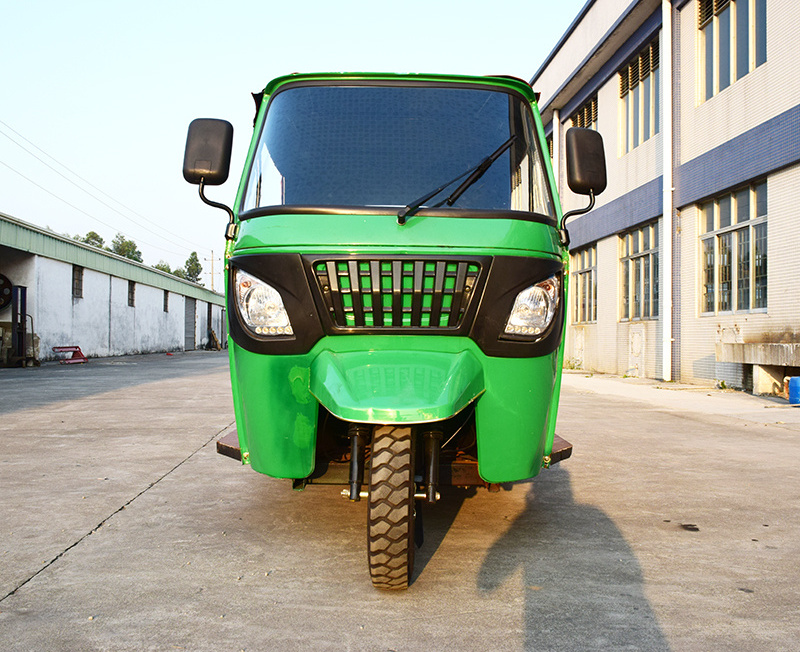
{"x":391,"y":386}
{"x":353,"y":376}
{"x":278,"y":410}
{"x":375,"y":233}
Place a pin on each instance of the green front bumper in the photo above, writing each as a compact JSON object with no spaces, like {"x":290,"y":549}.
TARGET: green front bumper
{"x":393,"y":379}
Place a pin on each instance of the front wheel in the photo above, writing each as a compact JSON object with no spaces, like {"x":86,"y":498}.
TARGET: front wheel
{"x":390,"y":509}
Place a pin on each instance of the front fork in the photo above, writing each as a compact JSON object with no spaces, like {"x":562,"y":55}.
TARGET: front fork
{"x":359,"y":435}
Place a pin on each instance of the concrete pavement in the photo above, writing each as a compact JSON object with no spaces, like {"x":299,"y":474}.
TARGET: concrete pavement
{"x":674,"y":526}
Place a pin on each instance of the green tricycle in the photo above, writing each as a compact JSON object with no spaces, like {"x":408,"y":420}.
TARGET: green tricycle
{"x":397,"y":265}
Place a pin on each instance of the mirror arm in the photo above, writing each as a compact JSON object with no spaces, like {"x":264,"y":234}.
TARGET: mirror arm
{"x":230,"y":231}
{"x":563,"y":234}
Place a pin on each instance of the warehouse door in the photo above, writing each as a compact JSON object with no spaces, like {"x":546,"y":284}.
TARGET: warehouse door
{"x":189,"y":341}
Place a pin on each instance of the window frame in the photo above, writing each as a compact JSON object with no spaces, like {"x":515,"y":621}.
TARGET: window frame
{"x":721,"y":24}
{"x":639,"y":90}
{"x":586,"y":116}
{"x":639,"y":273}
{"x":724,"y":232}
{"x":132,"y":294}
{"x":584,"y":286}
{"x":77,"y":281}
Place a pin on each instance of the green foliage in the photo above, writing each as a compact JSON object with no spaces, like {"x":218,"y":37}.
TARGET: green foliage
{"x":121,"y":246}
{"x":92,"y":238}
{"x":193,"y":268}
{"x":163,"y":266}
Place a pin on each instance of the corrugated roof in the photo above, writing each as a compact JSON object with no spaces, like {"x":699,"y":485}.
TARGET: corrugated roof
{"x":16,"y":234}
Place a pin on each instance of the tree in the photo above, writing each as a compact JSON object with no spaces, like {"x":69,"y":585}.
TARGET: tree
{"x":121,"y":246}
{"x":163,"y":266}
{"x":193,"y":268}
{"x":92,"y":238}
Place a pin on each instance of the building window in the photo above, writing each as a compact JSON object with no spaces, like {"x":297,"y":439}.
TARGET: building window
{"x":639,"y":87}
{"x":586,"y":116}
{"x":639,"y":262}
{"x":733,"y":246}
{"x":166,"y":300}
{"x":733,"y":41}
{"x":131,"y":293}
{"x":77,"y":282}
{"x":584,"y":287}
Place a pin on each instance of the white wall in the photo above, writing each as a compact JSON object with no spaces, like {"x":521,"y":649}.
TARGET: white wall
{"x":760,"y":95}
{"x":101,"y":322}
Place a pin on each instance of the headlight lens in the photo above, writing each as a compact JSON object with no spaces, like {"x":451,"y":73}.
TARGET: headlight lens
{"x":534,"y":308}
{"x":260,"y":306}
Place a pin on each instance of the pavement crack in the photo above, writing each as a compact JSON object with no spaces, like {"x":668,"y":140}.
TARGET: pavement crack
{"x":113,"y":514}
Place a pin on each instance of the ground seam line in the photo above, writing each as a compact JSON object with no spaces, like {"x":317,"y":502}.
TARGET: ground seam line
{"x":110,"y":516}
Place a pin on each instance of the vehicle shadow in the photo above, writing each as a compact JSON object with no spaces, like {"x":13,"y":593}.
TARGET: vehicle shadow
{"x":582,"y":584}
{"x":436,"y":520}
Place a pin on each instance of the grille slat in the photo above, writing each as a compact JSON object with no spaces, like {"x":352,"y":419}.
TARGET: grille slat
{"x":458,"y":295}
{"x":355,"y":290}
{"x":438,"y":295}
{"x":416,"y":299}
{"x":399,"y":293}
{"x":377,"y":297}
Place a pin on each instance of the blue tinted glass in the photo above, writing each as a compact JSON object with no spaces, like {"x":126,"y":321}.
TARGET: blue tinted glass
{"x":708,"y":39}
{"x":725,"y":48}
{"x":742,"y":38}
{"x":761,"y":31}
{"x":388,"y":146}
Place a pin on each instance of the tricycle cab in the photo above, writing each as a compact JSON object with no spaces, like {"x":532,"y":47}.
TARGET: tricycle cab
{"x":396,"y":282}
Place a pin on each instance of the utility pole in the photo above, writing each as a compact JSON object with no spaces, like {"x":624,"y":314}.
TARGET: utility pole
{"x":211,"y":260}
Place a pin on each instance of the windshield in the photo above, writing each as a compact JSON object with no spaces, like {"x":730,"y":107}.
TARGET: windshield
{"x":387,"y":146}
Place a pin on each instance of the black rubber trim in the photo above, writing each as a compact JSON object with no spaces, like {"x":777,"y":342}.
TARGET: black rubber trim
{"x":508,"y":276}
{"x":468,"y":213}
{"x":285,"y":273}
{"x":292,"y":275}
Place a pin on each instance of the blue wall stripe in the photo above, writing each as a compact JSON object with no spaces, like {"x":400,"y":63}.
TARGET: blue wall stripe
{"x":640,"y":205}
{"x":770,"y":146}
{"x":767,"y":148}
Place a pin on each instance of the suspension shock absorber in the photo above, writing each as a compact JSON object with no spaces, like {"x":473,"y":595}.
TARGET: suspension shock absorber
{"x":358,"y":433}
{"x":433,"y":442}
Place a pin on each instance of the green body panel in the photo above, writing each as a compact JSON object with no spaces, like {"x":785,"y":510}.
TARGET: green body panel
{"x":392,"y":386}
{"x":357,"y":375}
{"x":377,"y":233}
{"x":393,"y":378}
{"x":278,"y":422}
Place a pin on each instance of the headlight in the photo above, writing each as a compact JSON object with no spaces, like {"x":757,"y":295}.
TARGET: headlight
{"x":534,"y":308}
{"x":260,"y":306}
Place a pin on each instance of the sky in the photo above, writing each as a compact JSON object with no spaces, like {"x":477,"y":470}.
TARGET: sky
{"x":96,"y":95}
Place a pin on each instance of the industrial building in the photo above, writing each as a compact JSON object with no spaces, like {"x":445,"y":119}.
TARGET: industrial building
{"x":686,"y":270}
{"x":57,"y":292}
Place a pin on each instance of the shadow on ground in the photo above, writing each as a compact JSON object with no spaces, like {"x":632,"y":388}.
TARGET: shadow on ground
{"x":31,"y":387}
{"x":583,"y":587}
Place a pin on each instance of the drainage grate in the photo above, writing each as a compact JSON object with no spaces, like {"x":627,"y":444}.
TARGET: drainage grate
{"x":397,"y":293}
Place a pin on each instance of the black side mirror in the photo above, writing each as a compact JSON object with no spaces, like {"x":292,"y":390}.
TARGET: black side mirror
{"x":586,"y":162}
{"x":586,"y":170}
{"x":207,"y":158}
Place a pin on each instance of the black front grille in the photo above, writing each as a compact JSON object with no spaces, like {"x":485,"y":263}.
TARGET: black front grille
{"x":398,"y":293}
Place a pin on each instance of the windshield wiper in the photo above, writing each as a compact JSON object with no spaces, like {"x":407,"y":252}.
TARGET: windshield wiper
{"x":475,"y":173}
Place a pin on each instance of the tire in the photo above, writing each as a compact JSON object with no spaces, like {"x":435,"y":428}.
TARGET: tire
{"x":390,"y":508}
